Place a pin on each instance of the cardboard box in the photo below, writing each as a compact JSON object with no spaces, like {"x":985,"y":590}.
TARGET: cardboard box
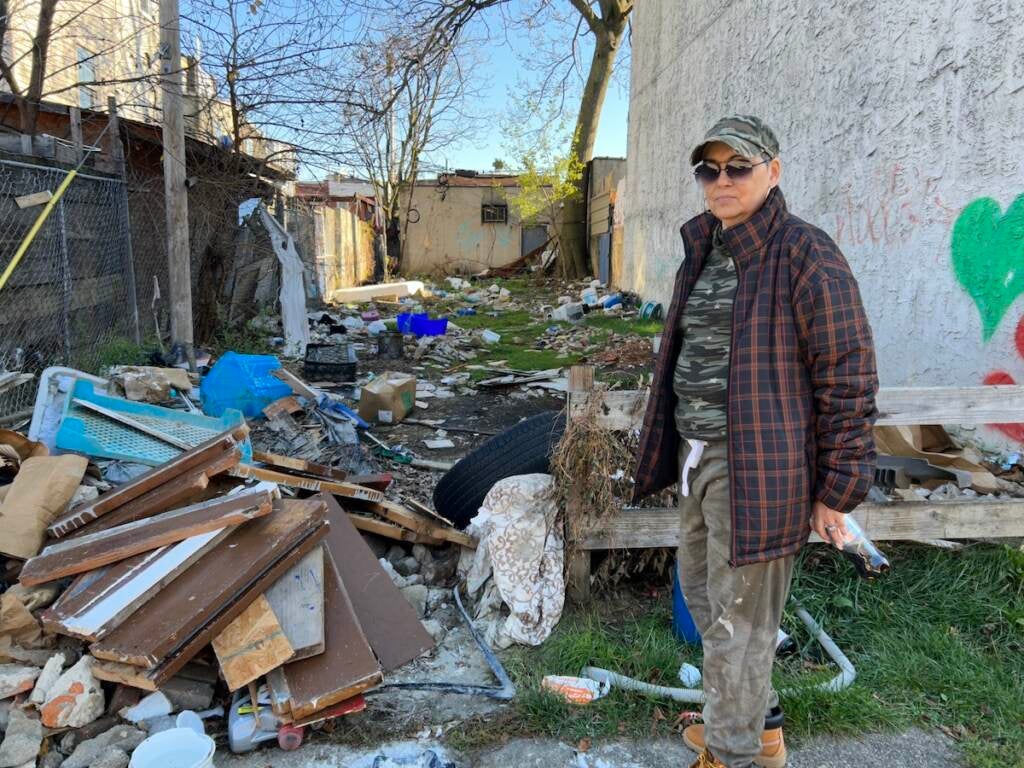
{"x":388,"y":399}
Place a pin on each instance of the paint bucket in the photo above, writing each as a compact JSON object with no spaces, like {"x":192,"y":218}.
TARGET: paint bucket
{"x":391,"y":345}
{"x":174,"y":748}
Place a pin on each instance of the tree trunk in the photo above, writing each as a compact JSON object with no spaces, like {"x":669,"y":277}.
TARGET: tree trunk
{"x":573,"y":227}
{"x":29,"y":106}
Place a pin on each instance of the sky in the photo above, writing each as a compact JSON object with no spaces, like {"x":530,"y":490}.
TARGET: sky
{"x":501,"y":70}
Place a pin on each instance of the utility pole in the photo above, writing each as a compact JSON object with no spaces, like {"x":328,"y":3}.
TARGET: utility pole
{"x":175,"y":192}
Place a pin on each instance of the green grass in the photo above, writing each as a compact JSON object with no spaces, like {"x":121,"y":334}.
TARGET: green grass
{"x":940,"y":642}
{"x":623,"y":325}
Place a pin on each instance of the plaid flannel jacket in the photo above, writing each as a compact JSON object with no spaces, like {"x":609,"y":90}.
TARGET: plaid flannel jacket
{"x":802,"y":382}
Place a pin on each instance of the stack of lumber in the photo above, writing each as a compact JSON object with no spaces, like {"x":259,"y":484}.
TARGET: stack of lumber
{"x":204,"y":558}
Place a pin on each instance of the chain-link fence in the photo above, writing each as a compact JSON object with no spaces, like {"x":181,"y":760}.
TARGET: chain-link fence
{"x":72,"y":293}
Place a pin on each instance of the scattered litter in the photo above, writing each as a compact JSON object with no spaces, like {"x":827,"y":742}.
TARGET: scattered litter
{"x":575,"y":690}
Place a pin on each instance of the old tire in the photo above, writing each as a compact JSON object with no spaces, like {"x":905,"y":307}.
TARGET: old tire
{"x":522,"y":450}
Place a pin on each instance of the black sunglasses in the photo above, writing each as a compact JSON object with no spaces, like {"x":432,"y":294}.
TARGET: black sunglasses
{"x":708,"y":174}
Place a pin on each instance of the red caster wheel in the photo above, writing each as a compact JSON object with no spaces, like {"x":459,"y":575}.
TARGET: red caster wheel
{"x":289,"y":737}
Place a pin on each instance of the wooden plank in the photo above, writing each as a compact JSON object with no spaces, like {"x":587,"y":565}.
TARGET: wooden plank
{"x":206,"y":453}
{"x":391,"y":531}
{"x":95,"y":550}
{"x":896,"y":521}
{"x":897,"y":406}
{"x":390,"y":623}
{"x":379,"y":482}
{"x":414,"y":521}
{"x":251,"y":645}
{"x":347,"y":667}
{"x":308,"y":483}
{"x":287,"y":463}
{"x":201,"y":638}
{"x":299,"y":387}
{"x":284,"y":405}
{"x":188,"y":489}
{"x":280,"y":696}
{"x":128,"y":421}
{"x":101,"y":606}
{"x":33,"y":199}
{"x":200,"y":595}
{"x":297,"y":599}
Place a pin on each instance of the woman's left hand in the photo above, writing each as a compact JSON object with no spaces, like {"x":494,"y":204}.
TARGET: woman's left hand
{"x":829,"y":524}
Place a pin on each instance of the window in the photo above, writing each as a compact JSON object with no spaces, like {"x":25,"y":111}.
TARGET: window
{"x":494,"y":213}
{"x":86,"y":79}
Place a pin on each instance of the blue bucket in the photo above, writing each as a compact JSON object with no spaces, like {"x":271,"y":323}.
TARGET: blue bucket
{"x":682,"y":622}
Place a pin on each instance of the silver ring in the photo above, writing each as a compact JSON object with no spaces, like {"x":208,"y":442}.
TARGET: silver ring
{"x":831,"y":527}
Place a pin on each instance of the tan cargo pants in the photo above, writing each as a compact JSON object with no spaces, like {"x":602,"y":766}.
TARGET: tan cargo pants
{"x":737,"y":610}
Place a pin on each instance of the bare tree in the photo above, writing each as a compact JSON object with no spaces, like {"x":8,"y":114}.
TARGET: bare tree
{"x":276,"y":68}
{"x":602,"y":23}
{"x":423,"y":111}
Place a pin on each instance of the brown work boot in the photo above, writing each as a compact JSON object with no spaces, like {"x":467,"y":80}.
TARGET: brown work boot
{"x":706,"y":760}
{"x":773,"y":748}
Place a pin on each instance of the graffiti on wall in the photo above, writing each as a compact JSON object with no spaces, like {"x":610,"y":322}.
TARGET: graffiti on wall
{"x":907,"y":198}
{"x":988,"y":260}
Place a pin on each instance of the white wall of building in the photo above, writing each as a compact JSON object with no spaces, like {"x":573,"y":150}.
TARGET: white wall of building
{"x":893,"y":118}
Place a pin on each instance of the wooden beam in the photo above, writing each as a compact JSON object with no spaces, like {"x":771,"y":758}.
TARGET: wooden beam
{"x":210,"y":452}
{"x":309,"y":483}
{"x":414,"y":522}
{"x":390,"y":530}
{"x":95,"y":550}
{"x":897,"y":406}
{"x":103,"y":603}
{"x":897,"y":521}
{"x":299,"y":387}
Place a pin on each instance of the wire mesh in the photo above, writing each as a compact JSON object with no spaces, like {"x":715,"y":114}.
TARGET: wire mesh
{"x":69,"y":296}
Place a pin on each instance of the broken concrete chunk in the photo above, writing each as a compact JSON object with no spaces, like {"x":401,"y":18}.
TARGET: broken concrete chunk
{"x":389,"y":569}
{"x":22,"y":740}
{"x":407,"y":566}
{"x":122,"y":737}
{"x":50,"y":674}
{"x":395,"y":553}
{"x":111,"y":757}
{"x":417,"y":597}
{"x":436,"y":629}
{"x":153,"y":705}
{"x":76,"y":699}
{"x":422,"y":554}
{"x":188,"y":694}
{"x":52,"y":759}
{"x":16,"y":678}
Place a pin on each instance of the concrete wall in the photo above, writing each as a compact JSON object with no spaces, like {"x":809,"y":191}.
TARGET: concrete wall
{"x":900,"y":123}
{"x":344,"y":248}
{"x":449,"y":237}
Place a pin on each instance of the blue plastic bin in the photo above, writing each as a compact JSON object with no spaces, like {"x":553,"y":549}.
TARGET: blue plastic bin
{"x":682,"y":622}
{"x":242,"y":382}
{"x":421,"y":324}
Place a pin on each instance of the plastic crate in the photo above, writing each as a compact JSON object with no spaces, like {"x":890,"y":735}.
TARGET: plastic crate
{"x":329,"y":362}
{"x":243,"y":382}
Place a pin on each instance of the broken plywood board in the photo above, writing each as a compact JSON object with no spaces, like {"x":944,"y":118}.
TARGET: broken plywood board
{"x":251,"y":645}
{"x":95,"y":550}
{"x":302,"y":466}
{"x":199,"y":596}
{"x":208,"y":454}
{"x":345,"y":668}
{"x":134,"y":677}
{"x":100,"y":604}
{"x":297,"y":599}
{"x":388,"y":620}
{"x":308,"y":483}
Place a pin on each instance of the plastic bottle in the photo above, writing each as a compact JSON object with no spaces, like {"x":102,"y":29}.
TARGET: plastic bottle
{"x":589,"y":296}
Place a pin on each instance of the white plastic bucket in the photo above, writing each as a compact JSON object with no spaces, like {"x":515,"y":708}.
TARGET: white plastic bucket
{"x":176,"y":748}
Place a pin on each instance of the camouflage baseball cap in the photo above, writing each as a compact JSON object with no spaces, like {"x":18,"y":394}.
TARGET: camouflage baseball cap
{"x":748,"y":135}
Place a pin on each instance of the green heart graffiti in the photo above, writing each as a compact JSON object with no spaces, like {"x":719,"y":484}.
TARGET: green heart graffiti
{"x":988,"y":257}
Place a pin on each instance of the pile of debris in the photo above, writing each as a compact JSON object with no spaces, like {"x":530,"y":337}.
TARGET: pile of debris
{"x":220,"y":566}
